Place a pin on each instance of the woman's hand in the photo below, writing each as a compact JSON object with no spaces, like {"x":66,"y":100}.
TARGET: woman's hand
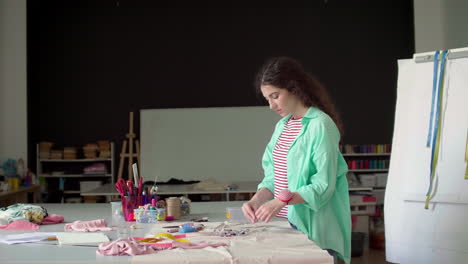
{"x":249,"y":208}
{"x":269,"y":209}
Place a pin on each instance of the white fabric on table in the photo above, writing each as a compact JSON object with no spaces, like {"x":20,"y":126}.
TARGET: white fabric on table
{"x":274,"y":242}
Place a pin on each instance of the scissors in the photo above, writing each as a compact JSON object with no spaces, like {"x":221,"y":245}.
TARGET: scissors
{"x":121,"y":186}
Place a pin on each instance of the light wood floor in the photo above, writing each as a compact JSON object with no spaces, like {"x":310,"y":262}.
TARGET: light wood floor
{"x":371,"y":256}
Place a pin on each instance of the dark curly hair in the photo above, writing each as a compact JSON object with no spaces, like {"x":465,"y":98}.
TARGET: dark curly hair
{"x":287,"y":73}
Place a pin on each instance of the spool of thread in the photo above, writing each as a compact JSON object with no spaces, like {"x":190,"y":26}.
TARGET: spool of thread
{"x":173,"y":207}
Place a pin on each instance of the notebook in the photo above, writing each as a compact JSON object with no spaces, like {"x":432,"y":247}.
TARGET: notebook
{"x":81,"y":239}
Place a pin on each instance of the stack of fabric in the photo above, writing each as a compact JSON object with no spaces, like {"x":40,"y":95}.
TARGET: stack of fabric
{"x":69,"y":153}
{"x":104,"y":149}
{"x":44,"y":149}
{"x":90,"y":151}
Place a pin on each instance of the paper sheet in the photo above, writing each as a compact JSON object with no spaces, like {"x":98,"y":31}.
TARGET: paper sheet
{"x":27,"y":237}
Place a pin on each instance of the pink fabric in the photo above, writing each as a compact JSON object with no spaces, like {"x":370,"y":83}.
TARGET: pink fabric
{"x":130,"y":247}
{"x":88,"y":226}
{"x":20,"y":225}
{"x":201,"y":244}
{"x":96,"y":167}
{"x":124,"y":247}
{"x":52,"y":219}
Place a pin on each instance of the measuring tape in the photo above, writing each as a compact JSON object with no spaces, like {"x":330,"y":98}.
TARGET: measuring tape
{"x":434,"y":134}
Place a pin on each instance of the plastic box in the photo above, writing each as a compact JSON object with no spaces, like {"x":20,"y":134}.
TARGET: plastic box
{"x":145,"y":216}
{"x":381,"y":179}
{"x":89,"y":185}
{"x":367,"y":180}
{"x":235,"y":214}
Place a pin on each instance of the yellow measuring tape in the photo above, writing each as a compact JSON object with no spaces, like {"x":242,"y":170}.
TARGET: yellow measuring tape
{"x":170,"y":237}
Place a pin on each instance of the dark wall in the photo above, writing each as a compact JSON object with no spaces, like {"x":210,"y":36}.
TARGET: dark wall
{"x":92,"y":62}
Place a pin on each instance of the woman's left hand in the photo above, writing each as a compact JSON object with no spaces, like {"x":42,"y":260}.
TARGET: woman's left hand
{"x":269,"y":209}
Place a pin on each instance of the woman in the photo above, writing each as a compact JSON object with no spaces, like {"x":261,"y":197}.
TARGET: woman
{"x":305,"y":173}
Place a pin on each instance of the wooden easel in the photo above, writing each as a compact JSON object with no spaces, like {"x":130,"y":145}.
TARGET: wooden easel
{"x":130,"y":155}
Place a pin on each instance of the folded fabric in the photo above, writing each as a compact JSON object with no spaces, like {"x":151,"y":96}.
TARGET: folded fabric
{"x":96,"y":167}
{"x":124,"y":247}
{"x":20,"y":225}
{"x":88,"y":226}
{"x":52,"y":219}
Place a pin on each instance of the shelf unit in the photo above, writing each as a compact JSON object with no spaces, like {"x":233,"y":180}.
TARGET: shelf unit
{"x":70,"y":176}
{"x":367,"y":162}
{"x":372,"y":163}
{"x":364,"y":209}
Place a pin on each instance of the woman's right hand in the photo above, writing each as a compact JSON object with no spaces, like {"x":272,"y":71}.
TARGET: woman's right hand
{"x":249,"y":208}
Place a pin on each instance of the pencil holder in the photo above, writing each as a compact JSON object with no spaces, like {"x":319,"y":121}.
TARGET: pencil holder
{"x":129,"y":203}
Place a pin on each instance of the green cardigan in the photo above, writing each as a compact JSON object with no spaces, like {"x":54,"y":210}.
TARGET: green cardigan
{"x":317,"y":171}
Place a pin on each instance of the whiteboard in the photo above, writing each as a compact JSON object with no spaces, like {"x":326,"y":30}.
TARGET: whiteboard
{"x":438,"y":234}
{"x":225,"y":144}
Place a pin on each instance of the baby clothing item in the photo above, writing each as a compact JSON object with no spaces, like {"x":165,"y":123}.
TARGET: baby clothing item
{"x":52,"y":219}
{"x":124,"y":247}
{"x":19,"y":211}
{"x":20,"y":225}
{"x":88,"y":226}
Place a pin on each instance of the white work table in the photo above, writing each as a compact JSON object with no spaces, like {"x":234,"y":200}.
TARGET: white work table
{"x":52,"y":253}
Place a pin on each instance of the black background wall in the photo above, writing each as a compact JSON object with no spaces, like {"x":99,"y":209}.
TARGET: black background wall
{"x":92,"y":62}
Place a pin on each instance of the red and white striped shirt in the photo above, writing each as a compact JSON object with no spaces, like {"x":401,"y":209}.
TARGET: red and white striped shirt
{"x":280,"y":152}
